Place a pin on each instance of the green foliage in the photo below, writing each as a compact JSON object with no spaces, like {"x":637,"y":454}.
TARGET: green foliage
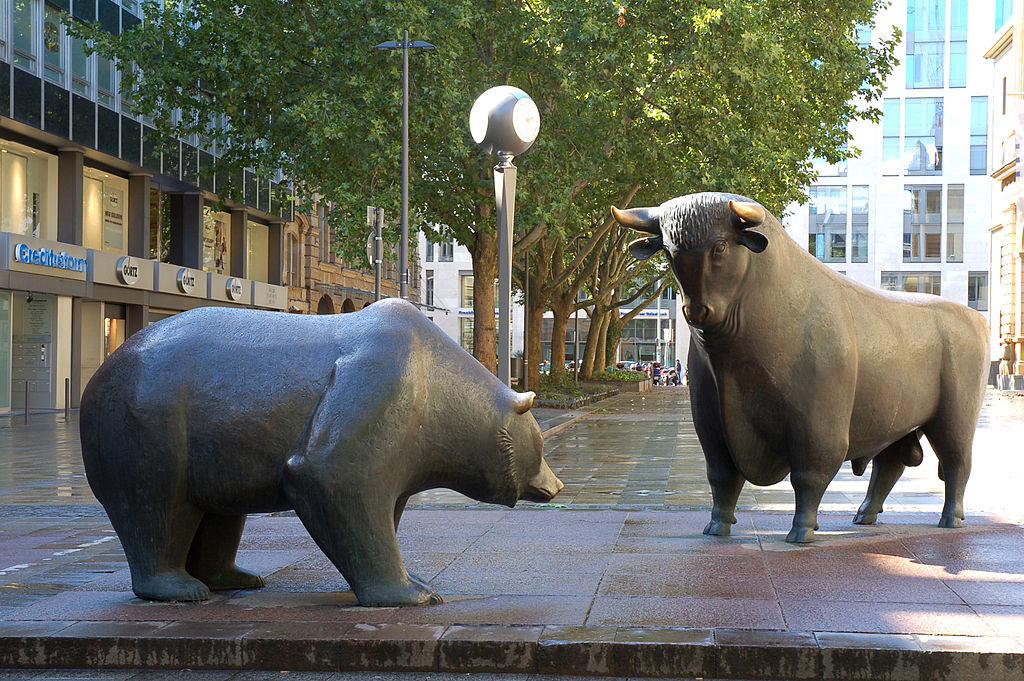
{"x":618,"y":375}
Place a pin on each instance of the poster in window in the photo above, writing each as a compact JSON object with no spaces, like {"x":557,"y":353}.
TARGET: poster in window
{"x":113,"y":219}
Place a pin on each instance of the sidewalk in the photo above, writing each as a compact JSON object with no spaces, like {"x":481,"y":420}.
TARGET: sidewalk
{"x":612,"y":578}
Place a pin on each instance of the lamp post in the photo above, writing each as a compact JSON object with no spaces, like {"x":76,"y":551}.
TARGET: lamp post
{"x":403,"y":246}
{"x":504,"y":121}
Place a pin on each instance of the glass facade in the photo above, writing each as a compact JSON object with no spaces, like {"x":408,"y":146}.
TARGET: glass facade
{"x":977,"y":291}
{"x":922,"y":223}
{"x":859,"y":224}
{"x":955,"y":223}
{"x":827,"y":213}
{"x":891,"y":159}
{"x":466,"y":334}
{"x":216,"y":241}
{"x":922,"y":142}
{"x":28,"y":203}
{"x":104,"y":203}
{"x":1004,"y":10}
{"x":925,"y":38}
{"x":979,"y":135}
{"x":466,"y":290}
{"x":958,"y":43}
{"x":912,"y":282}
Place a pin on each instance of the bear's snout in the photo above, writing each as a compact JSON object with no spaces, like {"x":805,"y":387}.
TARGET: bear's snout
{"x":543,"y":486}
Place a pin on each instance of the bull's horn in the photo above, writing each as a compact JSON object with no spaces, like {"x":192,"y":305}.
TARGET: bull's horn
{"x":752,"y":214}
{"x":523,"y":401}
{"x":641,"y":219}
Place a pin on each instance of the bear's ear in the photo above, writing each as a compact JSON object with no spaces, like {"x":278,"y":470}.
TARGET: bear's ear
{"x":523,"y":401}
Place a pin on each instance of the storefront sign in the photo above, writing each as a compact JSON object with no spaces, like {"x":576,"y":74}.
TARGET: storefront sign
{"x":128,"y":270}
{"x":186,"y":280}
{"x":233,"y":287}
{"x":269,"y":295}
{"x":47,"y":257}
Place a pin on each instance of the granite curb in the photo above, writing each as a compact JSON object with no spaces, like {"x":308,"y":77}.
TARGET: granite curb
{"x":554,"y":650}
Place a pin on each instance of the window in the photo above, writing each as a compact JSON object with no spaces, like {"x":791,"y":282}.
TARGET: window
{"x":859,"y":231}
{"x":445,"y":251}
{"x":466,"y":334}
{"x":28,"y":204}
{"x":1004,"y":10}
{"x":826,"y":223}
{"x":430,"y":252}
{"x":891,"y":163}
{"x":428,"y":292}
{"x":977,"y":291}
{"x":958,"y":43}
{"x":159,"y":226}
{"x":926,"y":40}
{"x":466,"y":291}
{"x":979,"y":135}
{"x":922,"y":143}
{"x":257,"y":257}
{"x":104,"y":201}
{"x":294,"y":261}
{"x":955,"y":223}
{"x":911,"y":282}
{"x":325,"y":233}
{"x":105,"y":81}
{"x":922,"y":223}
{"x":53,"y":40}
{"x":23,"y":20}
{"x":81,"y":77}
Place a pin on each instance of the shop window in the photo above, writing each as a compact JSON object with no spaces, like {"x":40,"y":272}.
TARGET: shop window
{"x":922,"y":142}
{"x":257,"y":256}
{"x":104,"y":201}
{"x":466,"y":334}
{"x":27,"y":204}
{"x":466,"y":291}
{"x":826,"y":223}
{"x":216,"y":241}
{"x":5,"y":349}
{"x":912,"y":282}
{"x":977,"y":291}
{"x":922,"y":223}
{"x":113,"y":328}
{"x":955,"y":223}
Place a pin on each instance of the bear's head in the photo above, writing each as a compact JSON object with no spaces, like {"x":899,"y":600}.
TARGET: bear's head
{"x":520,"y":447}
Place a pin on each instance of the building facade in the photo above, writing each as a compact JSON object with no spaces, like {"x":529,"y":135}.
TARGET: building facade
{"x":103,"y":229}
{"x":1006,"y":52}
{"x":911,"y":212}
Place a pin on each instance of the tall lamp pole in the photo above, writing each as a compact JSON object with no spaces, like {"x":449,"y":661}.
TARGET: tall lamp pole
{"x":403,"y":245}
{"x":504,"y":121}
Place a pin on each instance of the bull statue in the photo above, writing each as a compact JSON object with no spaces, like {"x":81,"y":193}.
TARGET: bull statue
{"x":795,"y":369}
{"x":216,"y":413}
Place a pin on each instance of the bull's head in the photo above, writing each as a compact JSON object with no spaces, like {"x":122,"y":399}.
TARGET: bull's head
{"x":710,"y":239}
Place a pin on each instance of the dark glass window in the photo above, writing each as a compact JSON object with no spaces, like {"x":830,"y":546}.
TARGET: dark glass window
{"x":57,"y":104}
{"x":110,"y":17}
{"x":84,"y":10}
{"x":189,"y":164}
{"x":150,"y":152}
{"x":108,"y":131}
{"x":131,"y":140}
{"x":28,"y":96}
{"x":83,"y":121}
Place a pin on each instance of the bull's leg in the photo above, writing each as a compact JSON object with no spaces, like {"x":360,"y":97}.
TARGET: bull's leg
{"x":725,"y":480}
{"x":809,"y":488}
{"x":886,"y":469}
{"x":954,"y":452}
{"x":211,"y":559}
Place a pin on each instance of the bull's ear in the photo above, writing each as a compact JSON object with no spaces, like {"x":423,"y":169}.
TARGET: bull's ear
{"x":753,"y":240}
{"x":750,"y":214}
{"x":642,"y":249}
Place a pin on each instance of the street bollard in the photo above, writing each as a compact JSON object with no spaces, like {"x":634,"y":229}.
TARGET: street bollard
{"x":28,"y":396}
{"x":67,"y":399}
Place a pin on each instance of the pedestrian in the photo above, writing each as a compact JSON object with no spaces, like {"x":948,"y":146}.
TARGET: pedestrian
{"x":679,"y":372}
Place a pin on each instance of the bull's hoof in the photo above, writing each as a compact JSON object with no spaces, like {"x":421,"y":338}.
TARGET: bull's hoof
{"x":171,"y":586}
{"x":865,"y":516}
{"x":410,"y":594}
{"x":235,"y":578}
{"x":800,"y":535}
{"x":718,"y":528}
{"x":950,"y":521}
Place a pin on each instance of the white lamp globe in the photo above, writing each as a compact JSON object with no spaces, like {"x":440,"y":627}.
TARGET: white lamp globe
{"x":504,"y":120}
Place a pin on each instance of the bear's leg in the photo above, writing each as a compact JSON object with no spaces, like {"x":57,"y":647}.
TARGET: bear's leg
{"x":211,"y":558}
{"x":156,"y":543}
{"x":399,"y":510}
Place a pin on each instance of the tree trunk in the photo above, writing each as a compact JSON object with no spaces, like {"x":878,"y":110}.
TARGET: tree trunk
{"x":534,"y":327}
{"x":600,"y":361}
{"x":612,"y":337}
{"x":560,"y":322}
{"x":590,"y":352}
{"x":485,"y":270}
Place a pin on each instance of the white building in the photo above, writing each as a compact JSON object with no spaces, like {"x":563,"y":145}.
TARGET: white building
{"x":912,"y":211}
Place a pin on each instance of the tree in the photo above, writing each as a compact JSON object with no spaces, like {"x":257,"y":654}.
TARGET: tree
{"x":663,"y":96}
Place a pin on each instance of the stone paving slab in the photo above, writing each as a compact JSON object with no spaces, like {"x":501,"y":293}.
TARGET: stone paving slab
{"x":613,"y":579}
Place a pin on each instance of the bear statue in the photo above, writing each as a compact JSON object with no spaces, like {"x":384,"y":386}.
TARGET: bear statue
{"x":215,"y":413}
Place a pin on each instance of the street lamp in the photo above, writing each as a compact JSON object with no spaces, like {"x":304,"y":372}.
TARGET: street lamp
{"x":403,"y":246}
{"x":504,"y":121}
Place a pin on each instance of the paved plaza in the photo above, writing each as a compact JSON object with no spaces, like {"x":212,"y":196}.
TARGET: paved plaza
{"x":613,"y":577}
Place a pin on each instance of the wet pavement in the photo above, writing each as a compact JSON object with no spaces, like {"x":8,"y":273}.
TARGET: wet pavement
{"x":614,"y":577}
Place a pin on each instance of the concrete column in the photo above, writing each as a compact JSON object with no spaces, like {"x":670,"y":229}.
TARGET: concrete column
{"x":187,"y":230}
{"x":239,"y":243}
{"x":275,"y":254}
{"x":69,"y":196}
{"x":76,"y":351}
{"x":138,"y":215}
{"x":137,"y":317}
